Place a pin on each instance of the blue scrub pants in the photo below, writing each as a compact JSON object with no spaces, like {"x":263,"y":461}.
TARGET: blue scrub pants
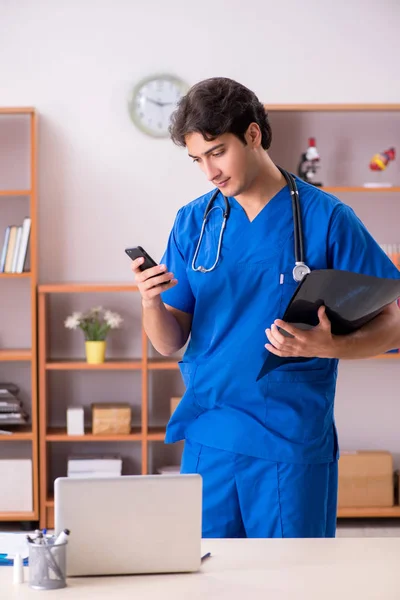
{"x":250,"y":497}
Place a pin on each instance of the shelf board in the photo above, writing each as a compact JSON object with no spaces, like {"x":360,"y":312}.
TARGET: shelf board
{"x":17,"y":435}
{"x":331,"y":107}
{"x":15,"y":355}
{"x":82,"y":365}
{"x":367,"y":190}
{"x":156,"y":434}
{"x":15,"y":192}
{"x":369,"y":512}
{"x":24,"y":275}
{"x":390,"y":355}
{"x":59,"y":434}
{"x":17,"y":110}
{"x":18,"y":516}
{"x":77,"y":288}
{"x":155,"y":364}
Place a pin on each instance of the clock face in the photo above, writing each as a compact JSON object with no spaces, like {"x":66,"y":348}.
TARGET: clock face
{"x":153,"y":101}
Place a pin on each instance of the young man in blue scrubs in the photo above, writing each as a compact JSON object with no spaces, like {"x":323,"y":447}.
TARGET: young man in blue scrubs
{"x":267,"y":450}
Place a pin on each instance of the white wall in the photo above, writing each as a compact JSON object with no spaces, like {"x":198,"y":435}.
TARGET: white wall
{"x":103,"y":185}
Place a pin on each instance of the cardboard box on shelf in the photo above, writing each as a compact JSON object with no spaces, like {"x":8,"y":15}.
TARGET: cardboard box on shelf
{"x":174,"y":403}
{"x":111,"y":419}
{"x":365,"y":479}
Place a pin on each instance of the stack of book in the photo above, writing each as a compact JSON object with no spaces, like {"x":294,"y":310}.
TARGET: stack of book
{"x":11,"y":410}
{"x":94,"y":466}
{"x":15,"y":247}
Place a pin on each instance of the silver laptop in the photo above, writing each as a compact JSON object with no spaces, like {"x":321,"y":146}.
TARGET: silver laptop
{"x":130,"y":524}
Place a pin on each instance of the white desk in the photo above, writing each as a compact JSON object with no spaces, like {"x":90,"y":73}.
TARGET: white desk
{"x":339,"y":569}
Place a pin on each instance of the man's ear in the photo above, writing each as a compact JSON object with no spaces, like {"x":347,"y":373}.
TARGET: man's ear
{"x":253,"y":135}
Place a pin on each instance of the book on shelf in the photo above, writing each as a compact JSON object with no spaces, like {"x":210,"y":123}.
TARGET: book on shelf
{"x":13,"y":418}
{"x":9,"y":406}
{"x":11,"y":409}
{"x":7,"y":389}
{"x":4,"y":249}
{"x":15,"y":247}
{"x":10,"y":248}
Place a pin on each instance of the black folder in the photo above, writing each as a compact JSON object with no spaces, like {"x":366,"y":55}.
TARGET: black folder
{"x":351,"y":301}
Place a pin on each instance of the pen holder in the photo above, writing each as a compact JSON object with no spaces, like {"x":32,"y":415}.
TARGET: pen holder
{"x":47,"y":565}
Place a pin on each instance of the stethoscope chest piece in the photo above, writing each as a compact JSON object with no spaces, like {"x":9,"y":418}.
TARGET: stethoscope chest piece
{"x":300,"y":270}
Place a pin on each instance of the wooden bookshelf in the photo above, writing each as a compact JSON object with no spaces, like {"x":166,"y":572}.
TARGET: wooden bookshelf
{"x":21,"y":433}
{"x":16,"y":355}
{"x":378,"y":512}
{"x":156,"y":434}
{"x":15,"y":193}
{"x":25,"y":355}
{"x":142,"y":435}
{"x":162,"y":364}
{"x":59,"y":434}
{"x":109,"y":365}
{"x":15,"y":275}
{"x":18,"y":110}
{"x":18,"y":516}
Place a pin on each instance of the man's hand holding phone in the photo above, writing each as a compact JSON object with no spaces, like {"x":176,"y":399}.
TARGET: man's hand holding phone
{"x":151,"y":279}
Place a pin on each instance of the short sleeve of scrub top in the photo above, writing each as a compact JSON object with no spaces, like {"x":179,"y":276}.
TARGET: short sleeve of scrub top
{"x":352,"y":248}
{"x":181,"y":295}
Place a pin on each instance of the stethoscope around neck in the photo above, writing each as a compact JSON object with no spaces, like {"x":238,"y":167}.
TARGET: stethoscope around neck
{"x":300,"y":268}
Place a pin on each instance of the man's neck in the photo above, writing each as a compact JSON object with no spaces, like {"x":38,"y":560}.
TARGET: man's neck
{"x":266,"y":185}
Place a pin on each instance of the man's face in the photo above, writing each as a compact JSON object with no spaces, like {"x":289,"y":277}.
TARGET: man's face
{"x":226,"y":161}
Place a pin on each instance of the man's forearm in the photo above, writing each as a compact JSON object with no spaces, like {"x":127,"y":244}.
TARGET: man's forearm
{"x":163,"y":330}
{"x":378,"y":336}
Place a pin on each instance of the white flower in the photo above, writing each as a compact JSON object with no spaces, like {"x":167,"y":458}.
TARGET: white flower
{"x":96,"y":310}
{"x":112,"y":319}
{"x":73,"y":321}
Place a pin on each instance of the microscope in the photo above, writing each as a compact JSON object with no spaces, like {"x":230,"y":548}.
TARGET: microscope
{"x":309,"y":163}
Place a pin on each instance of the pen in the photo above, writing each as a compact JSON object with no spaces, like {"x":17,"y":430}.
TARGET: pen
{"x":205,"y":556}
{"x":52,"y":561}
{"x":62,"y":537}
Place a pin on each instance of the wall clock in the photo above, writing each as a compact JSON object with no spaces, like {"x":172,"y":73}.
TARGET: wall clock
{"x":153,"y":101}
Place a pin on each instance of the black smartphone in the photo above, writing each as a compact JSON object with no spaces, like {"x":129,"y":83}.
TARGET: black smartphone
{"x":139,"y":252}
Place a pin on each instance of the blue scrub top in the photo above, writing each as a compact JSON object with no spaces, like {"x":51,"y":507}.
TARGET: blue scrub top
{"x":287,"y":416}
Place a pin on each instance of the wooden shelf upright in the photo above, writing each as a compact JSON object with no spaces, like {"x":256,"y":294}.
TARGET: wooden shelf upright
{"x":27,"y":434}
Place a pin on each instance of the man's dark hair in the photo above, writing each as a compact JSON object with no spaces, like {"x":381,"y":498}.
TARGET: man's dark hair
{"x":216,"y":106}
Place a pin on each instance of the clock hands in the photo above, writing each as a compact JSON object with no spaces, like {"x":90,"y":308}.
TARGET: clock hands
{"x":158,"y":103}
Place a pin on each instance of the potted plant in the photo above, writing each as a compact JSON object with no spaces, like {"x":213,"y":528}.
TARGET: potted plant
{"x":95,"y":324}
